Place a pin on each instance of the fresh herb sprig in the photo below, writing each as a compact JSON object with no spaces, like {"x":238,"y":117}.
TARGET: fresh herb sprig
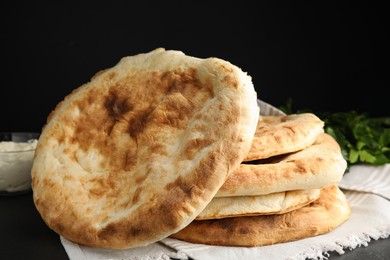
{"x":362,"y":139}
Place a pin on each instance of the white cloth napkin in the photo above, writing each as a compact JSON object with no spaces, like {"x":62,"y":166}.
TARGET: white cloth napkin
{"x":368,"y":178}
{"x":370,"y":219}
{"x":155,"y":251}
{"x":367,"y":189}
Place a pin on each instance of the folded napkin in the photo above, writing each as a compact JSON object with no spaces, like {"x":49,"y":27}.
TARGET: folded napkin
{"x":368,"y":178}
{"x":370,"y":219}
{"x":155,"y":251}
{"x":366,"y":187}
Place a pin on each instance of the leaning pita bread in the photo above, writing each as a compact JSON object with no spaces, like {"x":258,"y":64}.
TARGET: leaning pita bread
{"x":137,"y":153}
{"x":277,"y":135}
{"x":314,"y":167}
{"x":274,"y":203}
{"x":319,"y":217}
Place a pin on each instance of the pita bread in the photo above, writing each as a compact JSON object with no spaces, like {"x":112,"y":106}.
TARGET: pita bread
{"x":319,"y":217}
{"x":314,"y":167}
{"x":139,"y":151}
{"x":277,"y":135}
{"x":274,"y":203}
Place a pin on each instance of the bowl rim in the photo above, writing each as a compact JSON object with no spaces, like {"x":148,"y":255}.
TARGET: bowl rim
{"x":36,"y":134}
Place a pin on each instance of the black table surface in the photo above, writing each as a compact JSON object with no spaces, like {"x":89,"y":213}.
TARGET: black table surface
{"x":24,"y":235}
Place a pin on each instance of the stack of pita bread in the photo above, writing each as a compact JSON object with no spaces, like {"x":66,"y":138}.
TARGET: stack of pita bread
{"x":165,"y":144}
{"x":284,"y":190}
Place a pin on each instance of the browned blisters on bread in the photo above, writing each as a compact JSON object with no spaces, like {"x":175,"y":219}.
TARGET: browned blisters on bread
{"x":165,"y":210}
{"x":194,"y":146}
{"x":59,"y":227}
{"x":94,"y":126}
{"x":181,"y":185}
{"x":244,"y":230}
{"x":130,"y":160}
{"x":48,"y":183}
{"x":290,"y":130}
{"x":180,"y":107}
{"x":136,"y":195}
{"x":206,"y":167}
{"x":117,"y":105}
{"x":300,"y":166}
{"x":187,"y":83}
{"x":104,"y":185}
{"x":97,"y":192}
{"x":107,"y":232}
{"x":113,"y":110}
{"x":111,"y":75}
{"x":229,"y":80}
{"x":174,"y":112}
{"x":180,"y":81}
{"x":278,"y":139}
{"x":234,"y":114}
{"x":221,"y":223}
{"x":157,"y":148}
{"x":226,"y":68}
{"x":120,"y":137}
{"x":199,"y":127}
{"x":135,"y":231}
{"x":87,"y":125}
{"x":138,"y":124}
{"x":60,"y":137}
{"x":284,"y":134}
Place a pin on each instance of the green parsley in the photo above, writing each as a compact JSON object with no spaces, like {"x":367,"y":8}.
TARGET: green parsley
{"x":362,"y":139}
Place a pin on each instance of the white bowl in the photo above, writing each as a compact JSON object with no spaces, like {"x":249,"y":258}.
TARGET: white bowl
{"x":16,"y":157}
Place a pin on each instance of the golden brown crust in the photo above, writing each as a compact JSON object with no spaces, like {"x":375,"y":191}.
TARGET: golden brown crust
{"x":319,"y":217}
{"x":139,"y":151}
{"x":277,"y":135}
{"x":314,"y":167}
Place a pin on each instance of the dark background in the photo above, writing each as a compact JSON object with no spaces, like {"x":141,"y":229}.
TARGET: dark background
{"x":325,"y":57}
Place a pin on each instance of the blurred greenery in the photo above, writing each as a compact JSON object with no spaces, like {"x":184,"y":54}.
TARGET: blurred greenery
{"x":362,"y":139}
